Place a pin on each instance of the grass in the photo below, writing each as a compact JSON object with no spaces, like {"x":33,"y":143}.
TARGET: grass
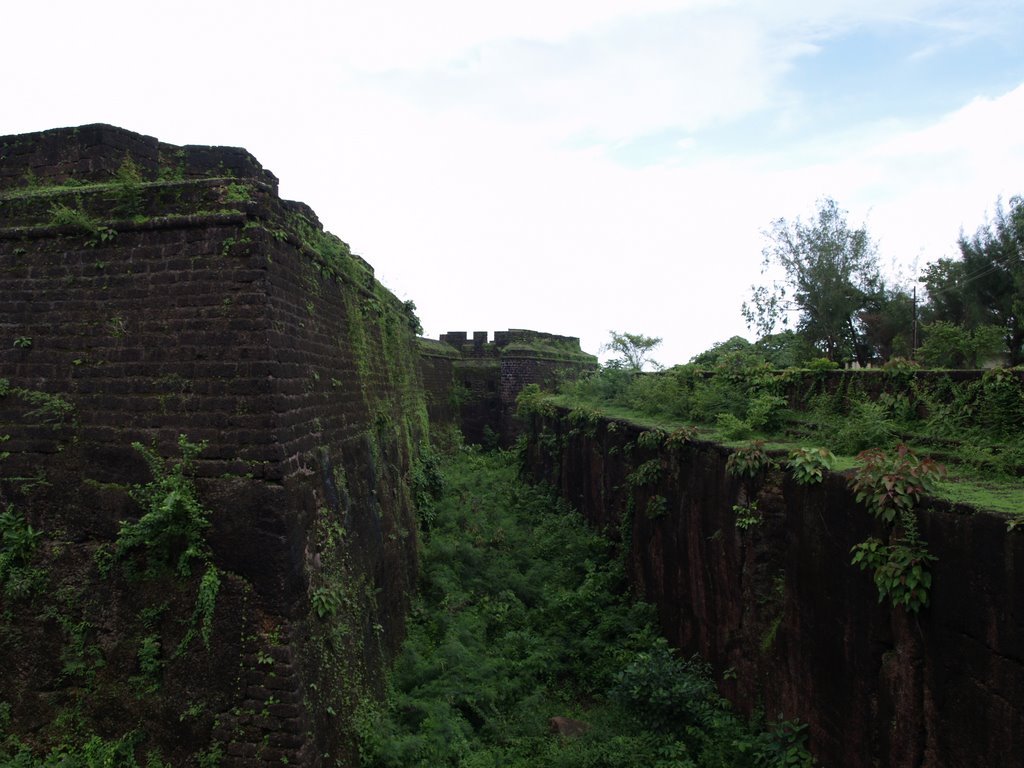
{"x":969,"y":429}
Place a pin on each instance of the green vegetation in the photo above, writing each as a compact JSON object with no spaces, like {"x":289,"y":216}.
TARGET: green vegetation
{"x":524,"y":616}
{"x":171,"y":534}
{"x":78,"y":220}
{"x":831,"y":276}
{"x":970,"y":425}
{"x":976,"y":302}
{"x":890,"y":485}
{"x":633,"y":350}
{"x":892,"y":427}
{"x":19,"y":576}
{"x":95,"y":752}
{"x":846,"y":311}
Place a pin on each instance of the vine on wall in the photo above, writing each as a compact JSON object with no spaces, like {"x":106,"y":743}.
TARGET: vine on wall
{"x":890,"y":485}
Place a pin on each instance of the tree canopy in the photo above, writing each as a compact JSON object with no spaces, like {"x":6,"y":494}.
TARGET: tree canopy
{"x":633,"y":349}
{"x":985,"y":286}
{"x":830,"y":274}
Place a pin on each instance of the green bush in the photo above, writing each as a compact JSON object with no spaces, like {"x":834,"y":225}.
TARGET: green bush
{"x":867,"y":425}
{"x":524,"y":614}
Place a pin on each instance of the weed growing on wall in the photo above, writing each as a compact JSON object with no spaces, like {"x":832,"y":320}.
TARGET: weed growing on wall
{"x":19,"y":542}
{"x":170,"y":535}
{"x":890,"y":486}
{"x":749,"y":461}
{"x":809,"y":465}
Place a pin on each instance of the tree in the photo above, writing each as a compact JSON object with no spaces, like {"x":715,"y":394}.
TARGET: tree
{"x":948,"y":345}
{"x":736,"y":346}
{"x":830,"y":271}
{"x":887,"y":322}
{"x":633,"y":349}
{"x":986,"y":285}
{"x":785,"y":350}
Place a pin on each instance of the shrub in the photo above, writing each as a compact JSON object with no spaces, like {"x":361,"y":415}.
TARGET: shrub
{"x":809,"y":465}
{"x":749,"y":461}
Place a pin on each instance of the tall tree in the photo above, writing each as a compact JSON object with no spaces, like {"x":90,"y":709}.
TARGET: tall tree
{"x":887,"y":321}
{"x":633,"y":349}
{"x":830,"y":271}
{"x":986,"y":285}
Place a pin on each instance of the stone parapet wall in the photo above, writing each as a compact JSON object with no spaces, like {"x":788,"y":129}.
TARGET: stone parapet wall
{"x":474,"y":382}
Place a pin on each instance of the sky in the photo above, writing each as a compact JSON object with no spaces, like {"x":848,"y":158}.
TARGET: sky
{"x":569,"y":167}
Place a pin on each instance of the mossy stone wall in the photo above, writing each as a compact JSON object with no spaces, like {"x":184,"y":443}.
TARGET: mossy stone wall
{"x":790,"y":626}
{"x":187,"y":298}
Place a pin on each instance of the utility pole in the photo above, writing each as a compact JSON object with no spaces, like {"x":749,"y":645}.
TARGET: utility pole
{"x":913,"y":348}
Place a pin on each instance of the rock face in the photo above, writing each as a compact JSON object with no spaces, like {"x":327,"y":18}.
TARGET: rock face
{"x":800,"y":629}
{"x":151,"y":291}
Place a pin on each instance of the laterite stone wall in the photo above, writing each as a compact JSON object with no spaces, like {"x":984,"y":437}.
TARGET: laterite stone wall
{"x":151,"y":291}
{"x":474,"y":382}
{"x":800,"y":630}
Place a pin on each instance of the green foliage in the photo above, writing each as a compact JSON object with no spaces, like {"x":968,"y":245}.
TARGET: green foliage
{"x":171,"y":533}
{"x":821,"y":364}
{"x":890,"y":484}
{"x":584,"y":420}
{"x":732,"y":427}
{"x":665,"y":692}
{"x":128,"y":186}
{"x":237,"y":193}
{"x":23,"y":342}
{"x":830,"y":271}
{"x":735,"y":347}
{"x":986,"y":285}
{"x":173,"y":525}
{"x":646,"y":474}
{"x":19,"y":542}
{"x":150,"y":664}
{"x":78,"y":220}
{"x":867,"y":425}
{"x":747,"y":515}
{"x":953,"y":346}
{"x":749,"y":461}
{"x":92,"y":752}
{"x":327,"y":601}
{"x":48,"y":410}
{"x":785,"y":746}
{"x":809,"y":465}
{"x":764,"y":411}
{"x":657,"y":507}
{"x":680,"y":437}
{"x":899,"y":570}
{"x":206,"y":602}
{"x":427,"y":484}
{"x":409,"y":309}
{"x":524,"y":614}
{"x":633,"y":349}
{"x":531,"y":401}
{"x":651,"y":439}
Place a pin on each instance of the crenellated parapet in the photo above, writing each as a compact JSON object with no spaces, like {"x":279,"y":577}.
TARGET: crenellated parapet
{"x":473,"y":381}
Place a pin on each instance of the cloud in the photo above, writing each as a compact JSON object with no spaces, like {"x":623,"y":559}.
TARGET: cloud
{"x":568,"y":166}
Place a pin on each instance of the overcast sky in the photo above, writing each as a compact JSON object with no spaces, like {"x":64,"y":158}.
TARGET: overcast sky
{"x":572,"y":167}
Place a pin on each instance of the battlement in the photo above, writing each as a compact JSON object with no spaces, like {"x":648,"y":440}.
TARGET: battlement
{"x":474,"y":382}
{"x":520,"y":339}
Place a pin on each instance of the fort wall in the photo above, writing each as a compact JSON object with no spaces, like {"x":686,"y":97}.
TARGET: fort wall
{"x":150,"y":292}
